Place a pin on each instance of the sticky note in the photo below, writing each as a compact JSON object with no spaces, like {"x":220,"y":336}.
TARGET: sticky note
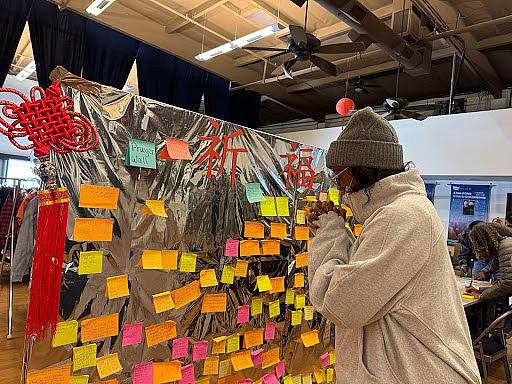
{"x":250,"y":248}
{"x":324,"y":360}
{"x":319,"y":375}
{"x":310,"y":338}
{"x":233,"y":343}
{"x":270,"y":331}
{"x":270,"y":358}
{"x":60,"y":374}
{"x":290,"y":297}
{"x":175,"y":149}
{"x":270,"y":378}
{"x":253,"y":192}
{"x":163,"y":302}
{"x":188,"y":262}
{"x":257,"y":357}
{"x":241,"y":267}
{"x":323,"y":196}
{"x":298,"y":281}
{"x":300,"y":301}
{"x":186,"y":294}
{"x":309,"y":310}
{"x":208,"y":278}
{"x":278,"y":231}
{"x":179,"y":348}
{"x":302,"y":260}
{"x":169,"y":260}
{"x":154,"y":208}
{"x":203,"y":380}
{"x":65,"y":333}
{"x":90,"y":263}
{"x":253,"y":338}
{"x":271,"y":247}
{"x":228,"y":274}
{"x":140,"y":154}
{"x":219,"y":345}
{"x":268,"y":207}
{"x":334,"y":196}
{"x":242,"y":315}
{"x":358,"y":228}
{"x":254,"y":229}
{"x":166,"y":372}
{"x":80,"y":379}
{"x":280,"y":369}
{"x":301,"y":217}
{"x":301,"y":232}
{"x":211,"y":365}
{"x":288,"y":379}
{"x":199,"y":350}
{"x":263,"y":283}
{"x":99,"y":327}
{"x":117,"y":286}
{"x":158,"y":333}
{"x":143,"y":373}
{"x":225,"y":368}
{"x":311,"y":198}
{"x":256,"y":306}
{"x":93,"y":229}
{"x":187,"y":374}
{"x":84,"y":356}
{"x":332,"y":357}
{"x":306,"y":379}
{"x":98,"y":196}
{"x":296,"y":317}
{"x":283,"y":206}
{"x":152,"y":259}
{"x":274,"y":309}
{"x":214,"y":303}
{"x":347,"y":209}
{"x":277,"y":284}
{"x":329,"y":375}
{"x":242,"y":360}
{"x":108,"y":365}
{"x":231,"y":249}
{"x":132,"y":334}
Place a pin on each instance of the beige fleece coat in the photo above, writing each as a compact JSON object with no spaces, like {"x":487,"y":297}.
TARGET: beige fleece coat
{"x":392,"y":294}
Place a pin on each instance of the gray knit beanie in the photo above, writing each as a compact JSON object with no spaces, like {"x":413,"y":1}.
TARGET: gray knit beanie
{"x":368,"y":140}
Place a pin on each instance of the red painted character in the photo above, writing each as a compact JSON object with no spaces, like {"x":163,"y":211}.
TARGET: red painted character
{"x":304,"y":174}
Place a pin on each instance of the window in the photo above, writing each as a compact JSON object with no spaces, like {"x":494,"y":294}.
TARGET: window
{"x":22,"y":169}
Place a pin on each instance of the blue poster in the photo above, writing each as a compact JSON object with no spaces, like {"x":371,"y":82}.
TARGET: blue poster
{"x":431,"y":190}
{"x":467,"y":203}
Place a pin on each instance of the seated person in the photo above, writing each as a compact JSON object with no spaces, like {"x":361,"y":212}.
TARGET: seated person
{"x":468,"y":264}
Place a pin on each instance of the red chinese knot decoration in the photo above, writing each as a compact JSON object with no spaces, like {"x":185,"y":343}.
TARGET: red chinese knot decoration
{"x":47,"y":119}
{"x":344,"y":106}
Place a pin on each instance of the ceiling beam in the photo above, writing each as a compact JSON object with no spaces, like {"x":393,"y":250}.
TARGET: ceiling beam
{"x":284,"y":20}
{"x":237,"y":12}
{"x":195,"y":14}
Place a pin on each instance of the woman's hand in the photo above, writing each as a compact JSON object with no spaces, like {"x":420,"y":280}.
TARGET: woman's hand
{"x":322,"y":208}
{"x":472,"y":291}
{"x":481,"y":276}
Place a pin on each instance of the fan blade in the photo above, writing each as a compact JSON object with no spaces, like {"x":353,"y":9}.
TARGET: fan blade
{"x":284,"y":69}
{"x":341,"y":48}
{"x":300,"y":3}
{"x":298,"y":35}
{"x":265,"y":49}
{"x":289,"y":64}
{"x":325,"y":66}
{"x":388,"y":115}
{"x":413,"y":115}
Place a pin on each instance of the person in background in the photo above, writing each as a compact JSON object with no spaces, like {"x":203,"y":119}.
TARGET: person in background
{"x":468,"y":264}
{"x":392,"y":294}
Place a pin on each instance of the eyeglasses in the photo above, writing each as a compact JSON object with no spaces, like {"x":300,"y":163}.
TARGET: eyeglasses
{"x":334,"y":177}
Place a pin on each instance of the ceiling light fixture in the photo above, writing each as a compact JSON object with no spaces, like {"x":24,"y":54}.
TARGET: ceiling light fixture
{"x":27,"y":71}
{"x":240,"y":42}
{"x":98,"y":6}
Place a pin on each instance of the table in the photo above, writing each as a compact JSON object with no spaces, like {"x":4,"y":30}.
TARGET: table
{"x":463,"y":282}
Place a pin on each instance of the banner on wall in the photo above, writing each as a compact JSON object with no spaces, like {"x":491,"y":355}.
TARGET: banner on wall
{"x":467,"y":203}
{"x":431,"y":190}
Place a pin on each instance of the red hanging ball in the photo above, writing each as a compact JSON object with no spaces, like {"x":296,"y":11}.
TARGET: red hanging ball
{"x":345,"y":106}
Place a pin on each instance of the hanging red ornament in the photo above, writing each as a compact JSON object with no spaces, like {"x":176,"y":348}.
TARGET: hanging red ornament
{"x":344,"y":106}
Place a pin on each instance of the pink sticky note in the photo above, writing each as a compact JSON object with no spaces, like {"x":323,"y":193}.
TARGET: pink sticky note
{"x":270,"y":331}
{"x":243,"y":314}
{"x":231,"y":248}
{"x":187,"y":374}
{"x":179,"y":348}
{"x":143,"y":373}
{"x":200,"y":350}
{"x":280,"y":369}
{"x":257,"y":357}
{"x":270,"y":378}
{"x":132,"y":334}
{"x":325,"y":360}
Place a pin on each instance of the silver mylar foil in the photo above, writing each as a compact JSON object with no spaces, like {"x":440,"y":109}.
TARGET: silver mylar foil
{"x":203,"y":214}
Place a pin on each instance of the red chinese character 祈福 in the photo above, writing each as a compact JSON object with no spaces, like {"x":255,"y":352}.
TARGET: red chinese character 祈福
{"x":303,"y":175}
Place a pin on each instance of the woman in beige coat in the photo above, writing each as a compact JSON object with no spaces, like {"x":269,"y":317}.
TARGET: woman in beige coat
{"x":392,"y":293}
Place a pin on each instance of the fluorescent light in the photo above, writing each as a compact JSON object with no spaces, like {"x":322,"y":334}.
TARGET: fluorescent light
{"x":240,"y":42}
{"x":27,"y":71}
{"x":98,"y":6}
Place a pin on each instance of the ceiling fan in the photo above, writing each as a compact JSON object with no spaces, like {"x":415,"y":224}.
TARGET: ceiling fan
{"x":361,"y":86}
{"x":397,"y":109}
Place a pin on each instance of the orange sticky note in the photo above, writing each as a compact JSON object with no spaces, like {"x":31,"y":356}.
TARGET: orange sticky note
{"x":186,"y":294}
{"x":302,"y":260}
{"x":166,"y":372}
{"x":175,"y":149}
{"x":241,"y":267}
{"x":216,"y":302}
{"x":310,"y":338}
{"x":161,"y":332}
{"x":154,"y":208}
{"x":278,"y":231}
{"x":108,"y":365}
{"x":242,"y":360}
{"x":98,"y":196}
{"x":117,"y":286}
{"x":93,"y":229}
{"x":301,"y":233}
{"x":211,"y":365}
{"x":358,"y":228}
{"x":152,"y":259}
{"x":100,"y":327}
{"x":271,"y":247}
{"x":250,"y":248}
{"x":254,"y":229}
{"x":270,"y":358}
{"x":219,"y":345}
{"x":298,"y":281}
{"x":277,"y":284}
{"x":163,"y":302}
{"x":204,"y":380}
{"x":311,"y":198}
{"x":253,"y":338}
{"x":208,"y":278}
{"x":169,"y":260}
{"x":60,"y":374}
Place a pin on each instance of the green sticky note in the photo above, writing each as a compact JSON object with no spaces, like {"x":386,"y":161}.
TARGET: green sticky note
{"x":90,"y":262}
{"x":268,"y":207}
{"x":254,"y":193}
{"x":141,"y":154}
{"x":283,"y":207}
{"x":82,"y":379}
{"x":334,"y":195}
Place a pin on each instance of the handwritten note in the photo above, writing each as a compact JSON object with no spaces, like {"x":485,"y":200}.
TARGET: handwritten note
{"x":243,"y":314}
{"x":179,"y":348}
{"x":324,"y":360}
{"x":154,"y":208}
{"x":280,"y":369}
{"x":99,"y":327}
{"x":225,"y":368}
{"x":278,"y":231}
{"x":268,"y":207}
{"x":242,"y":360}
{"x":309,"y":310}
{"x":311,"y":198}
{"x":211,"y":365}
{"x":306,"y":379}
{"x":152,"y":259}
{"x":132,"y":334}
{"x":290,"y":297}
{"x":298,"y":281}
{"x":263,"y":283}
{"x":332,"y":357}
{"x":108,"y":365}
{"x":65,"y":333}
{"x":163,"y":302}
{"x":241,"y":267}
{"x":208,"y":278}
{"x":158,"y":333}
{"x":270,"y":358}
{"x":253,"y":193}
{"x":228,"y":274}
{"x":84,"y":356}
{"x":188,"y":262}
{"x":270,"y":378}
{"x":310,"y":338}
{"x":98,"y":196}
{"x":301,"y":217}
{"x":93,"y":229}
{"x":199,"y":350}
{"x":254,"y":229}
{"x":233,"y":343}
{"x":169,"y":260}
{"x":274,"y":309}
{"x":256,"y":306}
{"x":301,"y":233}
{"x":283,"y":206}
{"x":175,"y":149}
{"x":187,"y":374}
{"x":250,"y":248}
{"x":296,"y":317}
{"x":277,"y":284}
{"x":141,"y":154}
{"x":219,"y":345}
{"x":60,"y":374}
{"x":270,"y":331}
{"x":231,"y":249}
{"x":334,"y":195}
{"x":319,"y":375}
{"x":302,"y":260}
{"x":300,"y":301}
{"x":143,"y":373}
{"x":214,"y":303}
{"x":90,"y":263}
{"x":358,"y":228}
{"x":186,"y":294}
{"x":257,"y":357}
{"x":117,"y":286}
{"x":253,"y":338}
{"x":271,"y":247}
{"x":166,"y":372}
{"x":329,"y":375}
{"x":80,"y":379}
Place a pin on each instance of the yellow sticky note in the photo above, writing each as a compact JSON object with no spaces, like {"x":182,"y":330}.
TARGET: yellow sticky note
{"x":65,"y":333}
{"x":288,"y":379}
{"x":84,"y":356}
{"x":108,"y":365}
{"x":219,"y":345}
{"x":274,"y":309}
{"x":228,"y":274}
{"x":250,"y":248}
{"x":311,"y":198}
{"x":323,"y":196}
{"x":301,"y":217}
{"x":256,"y":306}
{"x":329,"y":375}
{"x":309,"y":310}
{"x":98,"y":196}
{"x":186,"y":294}
{"x":271,"y":358}
{"x":160,"y":332}
{"x":277,"y":284}
{"x":332,"y":357}
{"x":163,"y":302}
{"x":225,"y":368}
{"x":117,"y":286}
{"x":334,"y":195}
{"x":167,"y":371}
{"x":296,"y":317}
{"x":301,"y":233}
{"x":169,"y":260}
{"x":271,"y":247}
{"x":263,"y":283}
{"x":60,"y":374}
{"x":278,"y":231}
{"x":268,"y":207}
{"x":319,"y":376}
{"x":302,"y":260}
{"x":283,"y":206}
{"x":188,"y":262}
{"x":254,"y":229}
{"x":290,"y":297}
{"x":90,"y":263}
{"x":81,"y":379}
{"x":300,"y":301}
{"x":253,"y":338}
{"x":242,"y":360}
{"x":233,"y":343}
{"x":347,"y":210}
{"x":211,"y":365}
{"x":306,"y":379}
{"x":310,"y":338}
{"x":154,"y":208}
{"x":298,"y":281}
{"x":208,"y":278}
{"x":241,"y":267}
{"x":93,"y":229}
{"x":99,"y":327}
{"x":214,"y":303}
{"x":152,"y":259}
{"x":297,"y":379}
